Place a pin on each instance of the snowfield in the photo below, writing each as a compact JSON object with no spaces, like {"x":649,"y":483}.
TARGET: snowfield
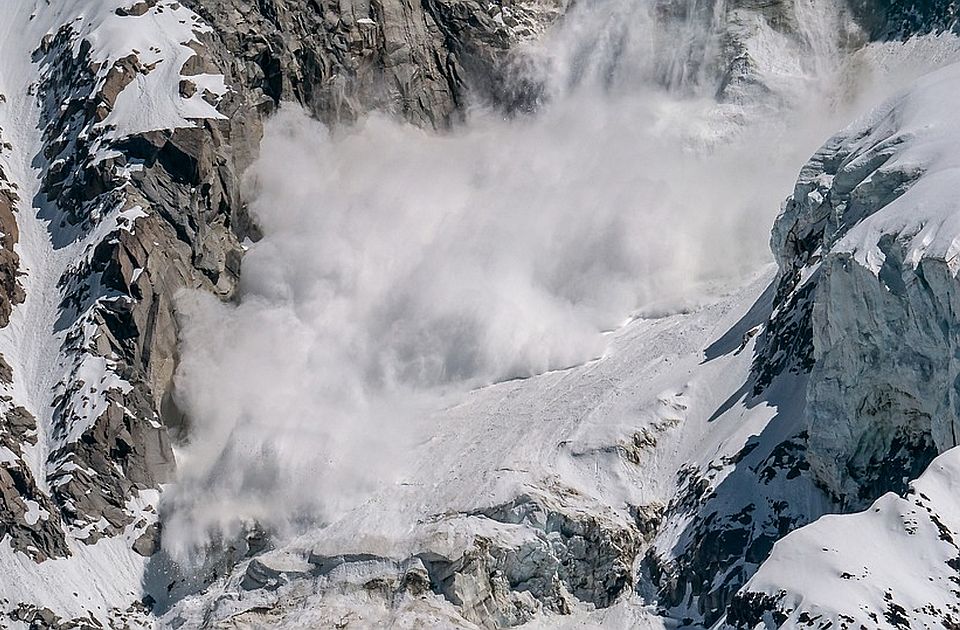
{"x":596,"y":440}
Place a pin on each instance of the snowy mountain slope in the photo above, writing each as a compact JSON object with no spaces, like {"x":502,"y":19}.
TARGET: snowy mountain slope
{"x":280,"y":436}
{"x":96,"y":447}
{"x":879,"y":202}
{"x":685,"y":447}
{"x":500,"y":526}
{"x":550,"y":486}
{"x":122,"y":167}
{"x":891,"y":566}
{"x":642,"y":488}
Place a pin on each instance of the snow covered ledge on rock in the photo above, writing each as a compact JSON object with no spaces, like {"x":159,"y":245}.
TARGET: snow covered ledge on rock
{"x":870,"y":242}
{"x":867,"y":247}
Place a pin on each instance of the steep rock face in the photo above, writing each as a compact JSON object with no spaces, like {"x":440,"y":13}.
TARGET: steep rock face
{"x":728,"y":49}
{"x":867,"y":297}
{"x":151,"y":211}
{"x":856,"y":352}
{"x":149,"y":190}
{"x":146,"y":118}
{"x":868,"y":251}
{"x":342,"y":59}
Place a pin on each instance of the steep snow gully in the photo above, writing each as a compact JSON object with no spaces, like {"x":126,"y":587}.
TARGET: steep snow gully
{"x":533,"y":366}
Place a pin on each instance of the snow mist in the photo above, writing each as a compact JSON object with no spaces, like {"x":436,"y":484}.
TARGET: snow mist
{"x":400,"y":266}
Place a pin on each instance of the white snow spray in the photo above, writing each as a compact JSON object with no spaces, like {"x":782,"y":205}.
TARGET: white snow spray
{"x":400,"y":265}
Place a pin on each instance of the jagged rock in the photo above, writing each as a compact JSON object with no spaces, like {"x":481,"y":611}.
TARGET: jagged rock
{"x":417,"y":61}
{"x":592,"y":557}
{"x":27,"y":515}
{"x":902,"y":20}
{"x":260,"y":574}
{"x":11,"y":290}
{"x":871,"y":429}
{"x":20,"y":427}
{"x":183,"y":194}
{"x":148,"y":543}
{"x":188,"y":190}
{"x":34,"y":529}
{"x":6,"y":372}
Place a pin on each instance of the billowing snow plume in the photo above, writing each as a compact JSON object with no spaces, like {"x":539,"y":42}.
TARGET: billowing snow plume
{"x":398,"y":265}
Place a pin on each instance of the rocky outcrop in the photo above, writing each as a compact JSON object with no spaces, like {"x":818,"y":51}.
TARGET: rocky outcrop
{"x":28,"y":515}
{"x":867,"y":253}
{"x":528,"y":557}
{"x":902,"y":20}
{"x":418,"y":61}
{"x":724,"y":521}
{"x":153,"y":205}
{"x":857,"y":354}
{"x":153,"y":212}
{"x":11,"y":290}
{"x":868,"y":307}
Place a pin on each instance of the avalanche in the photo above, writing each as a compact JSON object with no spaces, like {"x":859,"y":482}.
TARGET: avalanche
{"x":534,"y":369}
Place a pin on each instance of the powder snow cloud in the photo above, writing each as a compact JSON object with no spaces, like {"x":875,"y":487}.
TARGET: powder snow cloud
{"x":399,"y":266}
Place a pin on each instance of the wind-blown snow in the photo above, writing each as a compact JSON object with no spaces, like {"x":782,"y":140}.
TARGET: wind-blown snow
{"x":433,"y":324}
{"x":399,"y":266}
